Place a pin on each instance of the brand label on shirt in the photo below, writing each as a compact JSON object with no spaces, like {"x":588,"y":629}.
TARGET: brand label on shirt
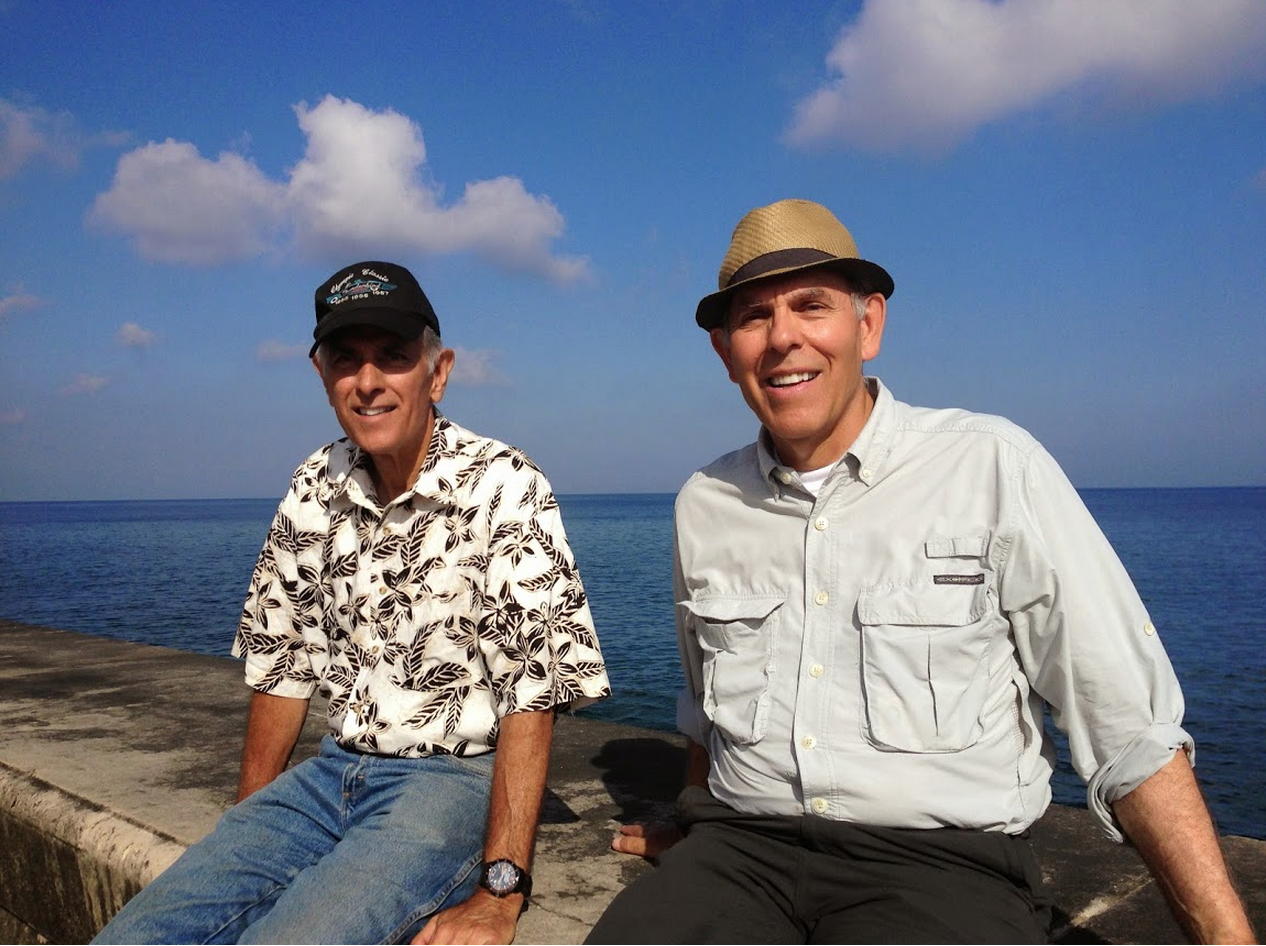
{"x":958,"y":579}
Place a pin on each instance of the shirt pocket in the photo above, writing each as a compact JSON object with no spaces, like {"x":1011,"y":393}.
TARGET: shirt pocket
{"x":736,"y":636}
{"x":925,"y":648}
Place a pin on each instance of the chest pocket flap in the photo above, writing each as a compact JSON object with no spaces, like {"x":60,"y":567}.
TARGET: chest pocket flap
{"x":736,"y":637}
{"x":924,"y":660}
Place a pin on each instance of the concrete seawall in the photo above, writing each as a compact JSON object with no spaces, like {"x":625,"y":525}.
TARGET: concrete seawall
{"x":115,"y":756}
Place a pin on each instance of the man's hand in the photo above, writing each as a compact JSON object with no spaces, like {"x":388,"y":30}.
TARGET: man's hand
{"x":646,"y":839}
{"x":481,"y":919}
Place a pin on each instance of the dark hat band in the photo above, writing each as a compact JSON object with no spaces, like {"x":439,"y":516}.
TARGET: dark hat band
{"x":778,"y":260}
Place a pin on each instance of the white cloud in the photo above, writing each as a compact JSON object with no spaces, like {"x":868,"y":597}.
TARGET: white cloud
{"x":272,"y":350}
{"x":132,"y":335}
{"x":84,"y":384}
{"x":12,"y":418}
{"x":475,"y":367}
{"x":29,"y":133}
{"x":927,"y":73}
{"x":18,"y":301}
{"x":361,"y":188}
{"x":179,"y":207}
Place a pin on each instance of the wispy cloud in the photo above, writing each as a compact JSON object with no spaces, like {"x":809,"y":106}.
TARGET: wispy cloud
{"x":84,"y":384}
{"x":925,"y":74}
{"x":132,"y":335}
{"x":13,"y":417}
{"x":362,"y":186}
{"x":476,"y":367}
{"x":272,"y":350}
{"x":29,"y":134}
{"x":17,"y":302}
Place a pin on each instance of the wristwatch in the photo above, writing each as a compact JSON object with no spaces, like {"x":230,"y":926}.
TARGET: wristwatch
{"x":503,"y":877}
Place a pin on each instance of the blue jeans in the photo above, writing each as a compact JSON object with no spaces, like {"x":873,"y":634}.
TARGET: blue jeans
{"x":342,"y":848}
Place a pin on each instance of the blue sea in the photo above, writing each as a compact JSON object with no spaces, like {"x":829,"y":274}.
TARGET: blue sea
{"x":174,"y":573}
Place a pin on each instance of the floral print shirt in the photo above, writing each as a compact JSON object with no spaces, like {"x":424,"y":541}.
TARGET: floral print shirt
{"x":424,"y":622}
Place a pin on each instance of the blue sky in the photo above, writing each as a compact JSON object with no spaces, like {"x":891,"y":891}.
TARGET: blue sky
{"x":1071,"y":198}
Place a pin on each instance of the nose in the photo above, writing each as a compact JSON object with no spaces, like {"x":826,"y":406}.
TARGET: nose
{"x":368,"y":378}
{"x":784,"y":328}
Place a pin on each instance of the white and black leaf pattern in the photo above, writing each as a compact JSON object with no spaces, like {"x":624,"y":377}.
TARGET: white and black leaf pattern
{"x":383,"y":621}
{"x":541,"y":582}
{"x":556,"y":555}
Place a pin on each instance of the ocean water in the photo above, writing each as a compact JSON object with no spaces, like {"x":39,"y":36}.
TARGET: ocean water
{"x":175,"y":572}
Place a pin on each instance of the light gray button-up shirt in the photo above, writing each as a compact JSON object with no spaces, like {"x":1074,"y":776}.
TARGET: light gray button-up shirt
{"x":880,"y":653}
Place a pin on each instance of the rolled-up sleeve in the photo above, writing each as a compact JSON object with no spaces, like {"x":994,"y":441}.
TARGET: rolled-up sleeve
{"x":1086,"y":641}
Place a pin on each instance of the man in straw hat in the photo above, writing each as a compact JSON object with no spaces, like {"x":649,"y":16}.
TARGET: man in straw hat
{"x":874,"y":602}
{"x":418,"y":575}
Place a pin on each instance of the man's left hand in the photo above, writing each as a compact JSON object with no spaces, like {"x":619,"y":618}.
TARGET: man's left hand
{"x":481,"y":919}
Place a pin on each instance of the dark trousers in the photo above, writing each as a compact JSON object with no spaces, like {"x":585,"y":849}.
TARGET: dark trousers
{"x":739,"y":878}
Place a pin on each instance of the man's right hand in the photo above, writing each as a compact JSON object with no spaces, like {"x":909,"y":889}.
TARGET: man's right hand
{"x":646,"y":839}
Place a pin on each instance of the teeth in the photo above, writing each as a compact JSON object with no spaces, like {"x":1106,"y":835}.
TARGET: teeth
{"x":786,"y":379}
{"x":371,"y":411}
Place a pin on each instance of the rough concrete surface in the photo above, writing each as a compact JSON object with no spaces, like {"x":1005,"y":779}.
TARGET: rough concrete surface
{"x":114,"y":756}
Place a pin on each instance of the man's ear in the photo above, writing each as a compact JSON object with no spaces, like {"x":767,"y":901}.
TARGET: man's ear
{"x":721,"y":345}
{"x":872,"y":327}
{"x":439,"y":377}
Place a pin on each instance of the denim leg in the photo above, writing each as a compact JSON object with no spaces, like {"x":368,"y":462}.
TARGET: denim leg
{"x":413,"y":844}
{"x":230,"y":878}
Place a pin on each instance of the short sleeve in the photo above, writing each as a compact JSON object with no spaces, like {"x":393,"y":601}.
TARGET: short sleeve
{"x":284,"y":598}
{"x":536,"y":633}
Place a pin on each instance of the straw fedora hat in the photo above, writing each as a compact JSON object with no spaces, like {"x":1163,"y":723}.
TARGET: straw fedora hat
{"x":786,"y":237}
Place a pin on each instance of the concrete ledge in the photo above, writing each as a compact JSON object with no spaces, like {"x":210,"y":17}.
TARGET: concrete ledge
{"x":115,"y":756}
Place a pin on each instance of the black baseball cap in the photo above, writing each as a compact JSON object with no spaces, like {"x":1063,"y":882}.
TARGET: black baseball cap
{"x":384,"y":295}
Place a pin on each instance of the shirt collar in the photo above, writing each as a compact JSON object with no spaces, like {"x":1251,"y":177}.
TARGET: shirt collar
{"x":348,"y":470}
{"x":864,"y":459}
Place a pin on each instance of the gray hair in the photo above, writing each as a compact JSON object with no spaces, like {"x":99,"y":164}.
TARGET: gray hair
{"x":431,"y":348}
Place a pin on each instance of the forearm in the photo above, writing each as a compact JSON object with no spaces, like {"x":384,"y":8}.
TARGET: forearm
{"x":518,"y":786}
{"x":272,"y":729}
{"x":1169,"y":825}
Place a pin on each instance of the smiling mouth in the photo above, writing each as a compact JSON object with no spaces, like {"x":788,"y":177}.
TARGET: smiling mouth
{"x":372,"y":411}
{"x":786,"y":380}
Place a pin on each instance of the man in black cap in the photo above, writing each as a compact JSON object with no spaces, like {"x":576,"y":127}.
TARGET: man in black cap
{"x":419,"y":577}
{"x":874,"y":603}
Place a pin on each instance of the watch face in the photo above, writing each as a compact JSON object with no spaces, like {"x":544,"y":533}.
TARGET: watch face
{"x":502,"y":877}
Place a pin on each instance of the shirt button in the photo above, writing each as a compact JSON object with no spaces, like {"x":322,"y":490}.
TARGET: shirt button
{"x":816,"y":670}
{"x":784,"y":476}
{"x":867,"y":473}
{"x":820,"y":524}
{"x":821,"y":598}
{"x":1149,"y":628}
{"x":808,"y":742}
{"x":382,"y":589}
{"x":819,"y":805}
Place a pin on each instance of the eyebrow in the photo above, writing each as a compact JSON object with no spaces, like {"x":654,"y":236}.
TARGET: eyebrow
{"x":805,"y":293}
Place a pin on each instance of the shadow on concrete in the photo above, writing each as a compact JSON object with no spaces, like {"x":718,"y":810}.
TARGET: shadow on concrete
{"x":643,"y":776}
